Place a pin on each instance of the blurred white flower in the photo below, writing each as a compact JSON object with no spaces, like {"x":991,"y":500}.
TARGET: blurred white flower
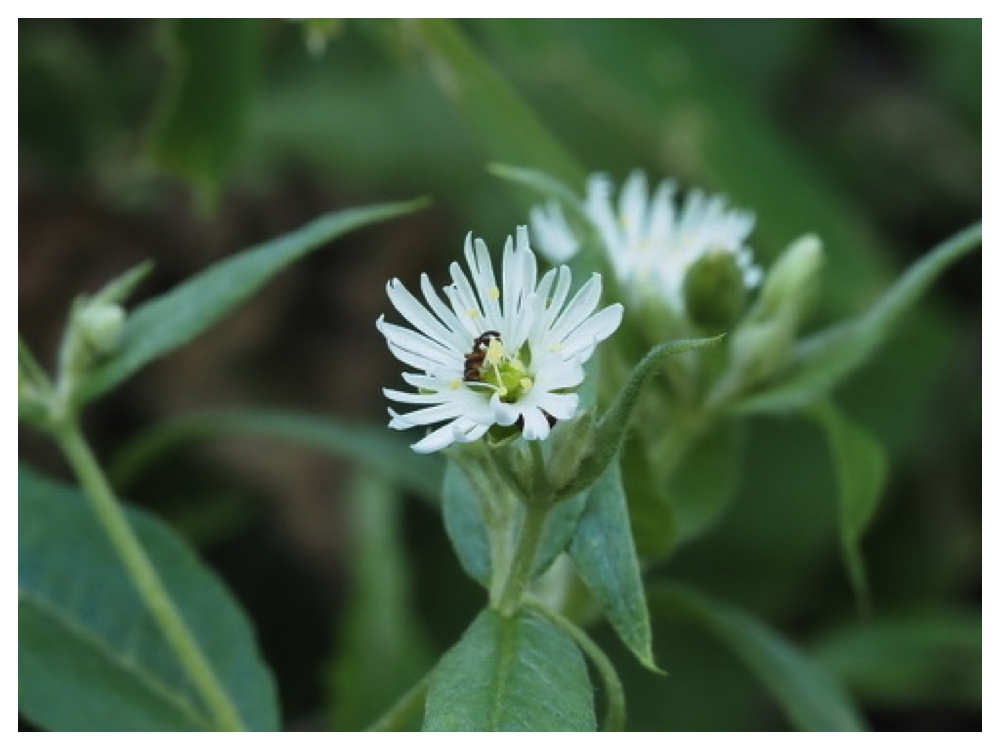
{"x":498,"y":353}
{"x":651,"y":241}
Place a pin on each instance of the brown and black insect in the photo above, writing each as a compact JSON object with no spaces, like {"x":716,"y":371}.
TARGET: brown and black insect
{"x":473,"y":372}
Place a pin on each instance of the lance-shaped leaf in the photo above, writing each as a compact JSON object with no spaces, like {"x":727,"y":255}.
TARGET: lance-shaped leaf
{"x":613,"y":425}
{"x":165,"y":323}
{"x":510,"y":129}
{"x":517,"y":674}
{"x":605,"y":557}
{"x":373,"y":448}
{"x":90,"y":656}
{"x":860,"y":464}
{"x":383,"y":649}
{"x":821,"y":361}
{"x":813,"y":700}
{"x":929,"y":658}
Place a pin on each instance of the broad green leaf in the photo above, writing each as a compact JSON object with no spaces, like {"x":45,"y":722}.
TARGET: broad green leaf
{"x":614,"y":720}
{"x":818,"y":363}
{"x":909,"y":660}
{"x":605,"y":558}
{"x":90,"y":657}
{"x":383,"y":650}
{"x":373,"y":448}
{"x":810,"y":696}
{"x":465,"y":524}
{"x":861,"y":468}
{"x":511,"y":130}
{"x":165,"y":323}
{"x":518,"y":674}
{"x":201,"y":119}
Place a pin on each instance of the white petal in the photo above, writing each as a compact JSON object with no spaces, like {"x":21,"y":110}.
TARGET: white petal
{"x":536,"y":426}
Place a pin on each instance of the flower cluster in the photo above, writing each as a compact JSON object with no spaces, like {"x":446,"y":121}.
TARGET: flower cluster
{"x":651,"y":242}
{"x":506,"y":352}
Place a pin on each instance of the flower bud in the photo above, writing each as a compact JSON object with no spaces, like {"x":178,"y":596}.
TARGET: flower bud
{"x":100,"y":326}
{"x":791,"y":282}
{"x":715,"y":293}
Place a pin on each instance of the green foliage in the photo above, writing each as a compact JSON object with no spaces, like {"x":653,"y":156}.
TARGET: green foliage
{"x":813,"y":700}
{"x":605,"y":557}
{"x":91,"y":658}
{"x":201,"y":121}
{"x":903,"y":660}
{"x":367,"y":446}
{"x":382,"y":650}
{"x":462,"y":511}
{"x":861,"y":470}
{"x":819,"y":362}
{"x":199,"y":302}
{"x":519,"y":674}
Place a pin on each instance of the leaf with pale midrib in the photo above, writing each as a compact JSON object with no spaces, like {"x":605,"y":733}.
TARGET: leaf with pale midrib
{"x":90,"y":657}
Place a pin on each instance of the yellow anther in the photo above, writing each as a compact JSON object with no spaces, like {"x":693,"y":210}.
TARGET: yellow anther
{"x":472,"y":313}
{"x":456,"y":384}
{"x":494,"y":293}
{"x":526,"y":383}
{"x":494,"y":352}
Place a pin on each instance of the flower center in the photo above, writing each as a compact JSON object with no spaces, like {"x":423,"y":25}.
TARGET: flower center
{"x":505,"y":371}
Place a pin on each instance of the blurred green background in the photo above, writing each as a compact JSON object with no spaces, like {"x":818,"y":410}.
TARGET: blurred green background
{"x":185,"y":141}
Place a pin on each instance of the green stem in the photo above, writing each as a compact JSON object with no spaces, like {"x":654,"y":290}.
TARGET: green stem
{"x":404,"y":710}
{"x":519,"y":577}
{"x":144,"y":576}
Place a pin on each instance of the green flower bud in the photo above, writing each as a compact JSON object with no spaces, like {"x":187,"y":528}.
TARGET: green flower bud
{"x":715,"y":293}
{"x":791,"y":283}
{"x":100,"y":326}
{"x":760,"y":345}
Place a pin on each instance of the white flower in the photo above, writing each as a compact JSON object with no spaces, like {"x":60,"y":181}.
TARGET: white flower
{"x":651,"y":242}
{"x":499,"y":353}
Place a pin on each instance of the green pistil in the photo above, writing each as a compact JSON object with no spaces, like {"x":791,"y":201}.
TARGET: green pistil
{"x":508,"y":374}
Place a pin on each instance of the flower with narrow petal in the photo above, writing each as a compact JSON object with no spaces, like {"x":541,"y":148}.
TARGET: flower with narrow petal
{"x":505,"y":352}
{"x":651,"y":241}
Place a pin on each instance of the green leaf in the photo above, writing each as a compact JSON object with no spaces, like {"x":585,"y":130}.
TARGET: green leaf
{"x":510,"y":129}
{"x":560,"y":527}
{"x":652,"y":517}
{"x":614,"y":720}
{"x":383,"y":650}
{"x":909,"y":660}
{"x":465,"y":524}
{"x":818,"y":363}
{"x":861,"y":467}
{"x":606,"y":560}
{"x":374,"y":448}
{"x":614,"y":423}
{"x":518,"y":674}
{"x":90,"y":657}
{"x":813,"y":700}
{"x":547,"y":187}
{"x":201,"y":119}
{"x":707,"y":479}
{"x":165,"y":323}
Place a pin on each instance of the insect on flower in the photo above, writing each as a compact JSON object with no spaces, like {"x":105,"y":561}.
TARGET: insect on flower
{"x":474,"y":360}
